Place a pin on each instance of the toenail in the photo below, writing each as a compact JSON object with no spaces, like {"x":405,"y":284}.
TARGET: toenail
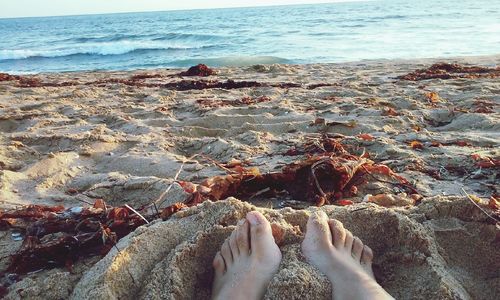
{"x":253,"y":219}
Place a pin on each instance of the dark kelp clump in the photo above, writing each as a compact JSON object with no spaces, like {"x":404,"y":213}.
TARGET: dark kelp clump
{"x":55,"y":237}
{"x":319,"y":180}
{"x":199,"y":70}
{"x":8,"y":77}
{"x":451,"y":71}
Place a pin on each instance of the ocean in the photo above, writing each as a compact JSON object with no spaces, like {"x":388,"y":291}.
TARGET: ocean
{"x":337,"y":32}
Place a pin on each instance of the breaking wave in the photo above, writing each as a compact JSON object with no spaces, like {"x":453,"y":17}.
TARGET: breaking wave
{"x":101,"y":48}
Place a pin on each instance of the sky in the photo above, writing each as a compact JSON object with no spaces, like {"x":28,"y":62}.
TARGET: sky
{"x":35,"y":8}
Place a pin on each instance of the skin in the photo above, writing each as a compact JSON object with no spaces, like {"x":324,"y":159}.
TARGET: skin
{"x":342,"y":258}
{"x":249,"y":258}
{"x":247,"y":261}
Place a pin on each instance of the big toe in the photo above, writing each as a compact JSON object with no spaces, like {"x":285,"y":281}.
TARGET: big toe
{"x":242,"y":237}
{"x":339,"y":233}
{"x":317,"y":232}
{"x":261,"y":236}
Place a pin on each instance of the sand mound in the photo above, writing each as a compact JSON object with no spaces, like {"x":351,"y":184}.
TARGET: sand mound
{"x":442,"y":249}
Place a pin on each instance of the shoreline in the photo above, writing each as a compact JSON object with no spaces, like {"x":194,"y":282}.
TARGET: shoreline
{"x":488,"y":60}
{"x":127,"y":136}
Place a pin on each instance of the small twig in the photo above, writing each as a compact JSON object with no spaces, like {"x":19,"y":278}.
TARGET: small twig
{"x":137,"y":213}
{"x":313,"y":168}
{"x":477,"y":205}
{"x":160,"y":199}
{"x":260,"y":192}
{"x":156,"y":209}
{"x":116,"y":247}
{"x":358,"y":209}
{"x":478,"y":172}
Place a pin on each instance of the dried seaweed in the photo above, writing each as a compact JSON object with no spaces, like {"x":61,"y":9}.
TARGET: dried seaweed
{"x":199,"y":70}
{"x":319,"y":179}
{"x":318,"y":85}
{"x":325,"y":144}
{"x":8,"y":77}
{"x":145,"y":76}
{"x":139,"y":80}
{"x":451,"y":71}
{"x":56,"y":237}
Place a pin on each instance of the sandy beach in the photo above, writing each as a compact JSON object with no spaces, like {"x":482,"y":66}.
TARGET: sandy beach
{"x":126,"y":137}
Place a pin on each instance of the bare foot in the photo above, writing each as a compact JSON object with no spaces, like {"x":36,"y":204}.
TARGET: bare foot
{"x":247,"y":261}
{"x":342,"y":258}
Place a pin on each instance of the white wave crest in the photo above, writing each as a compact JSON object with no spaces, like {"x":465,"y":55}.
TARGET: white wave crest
{"x":106,"y":48}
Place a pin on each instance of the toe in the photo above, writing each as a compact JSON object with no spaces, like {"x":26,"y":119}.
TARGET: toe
{"x":349,"y":239}
{"x":338,"y":232}
{"x":367,"y":256}
{"x":242,"y":234}
{"x":366,"y":260}
{"x":218,"y":264}
{"x":317,"y":231}
{"x":233,"y":245}
{"x":260,"y":231}
{"x":357,"y":249}
{"x":225,"y":251}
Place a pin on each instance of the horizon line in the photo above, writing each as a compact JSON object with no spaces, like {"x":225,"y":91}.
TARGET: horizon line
{"x":182,"y":9}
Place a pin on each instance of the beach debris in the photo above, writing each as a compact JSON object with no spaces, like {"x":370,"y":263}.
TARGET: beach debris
{"x":54,"y":236}
{"x":484,"y":107}
{"x":8,"y":77}
{"x":433,"y":97}
{"x":172,"y":209}
{"x":486,"y":162}
{"x":416,"y":145}
{"x":494,"y":204}
{"x":199,"y":70}
{"x":143,"y":76}
{"x":365,"y":137}
{"x":319,"y":179}
{"x":322,"y":84}
{"x":17,"y":236}
{"x":187,"y":85}
{"x":389,"y":111}
{"x":416,"y":128}
{"x":32,"y":81}
{"x":319,"y":121}
{"x":451,"y":71}
{"x":321,"y":145}
{"x":344,"y":202}
{"x":495,"y":215}
{"x":139,"y":81}
{"x":323,"y":122}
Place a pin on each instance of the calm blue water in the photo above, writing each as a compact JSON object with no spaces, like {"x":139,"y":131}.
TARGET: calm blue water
{"x":286,"y":34}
